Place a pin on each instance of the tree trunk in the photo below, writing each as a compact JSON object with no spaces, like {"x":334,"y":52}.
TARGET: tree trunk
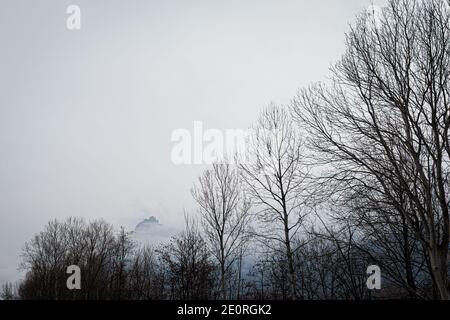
{"x":290,"y":261}
{"x":439,"y":273}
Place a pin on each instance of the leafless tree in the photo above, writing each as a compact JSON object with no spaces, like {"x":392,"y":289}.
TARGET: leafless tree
{"x":121,"y":258}
{"x":7,"y":292}
{"x":383,"y":123}
{"x":330,"y":266}
{"x":101,"y":255}
{"x":45,"y":259}
{"x":188,"y":266}
{"x":389,"y":241}
{"x":224,"y":216}
{"x":275,"y":179}
{"x":146,"y":277}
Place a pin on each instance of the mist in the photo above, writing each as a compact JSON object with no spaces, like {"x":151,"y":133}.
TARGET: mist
{"x":86,"y":116}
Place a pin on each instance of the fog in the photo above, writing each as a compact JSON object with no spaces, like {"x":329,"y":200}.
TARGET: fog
{"x":86,"y":116}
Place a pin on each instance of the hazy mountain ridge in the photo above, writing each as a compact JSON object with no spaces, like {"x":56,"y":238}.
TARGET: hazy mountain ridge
{"x":150,"y":231}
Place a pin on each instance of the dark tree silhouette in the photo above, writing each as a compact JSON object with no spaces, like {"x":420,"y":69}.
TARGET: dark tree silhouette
{"x":383,"y":124}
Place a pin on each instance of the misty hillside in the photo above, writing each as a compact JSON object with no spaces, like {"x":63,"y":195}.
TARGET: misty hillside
{"x":150,"y":231}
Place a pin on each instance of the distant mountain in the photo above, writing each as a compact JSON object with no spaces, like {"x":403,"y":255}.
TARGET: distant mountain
{"x":147,"y":224}
{"x":150,"y":231}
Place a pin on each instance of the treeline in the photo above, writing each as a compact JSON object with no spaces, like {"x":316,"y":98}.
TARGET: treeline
{"x":351,"y":173}
{"x":113,"y":266}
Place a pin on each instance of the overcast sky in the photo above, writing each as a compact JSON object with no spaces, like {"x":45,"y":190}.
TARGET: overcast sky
{"x":86,"y":116}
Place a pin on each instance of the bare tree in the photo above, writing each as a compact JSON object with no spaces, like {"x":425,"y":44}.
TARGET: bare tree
{"x":389,"y":240}
{"x":275,"y":180}
{"x":101,"y":255}
{"x":121,"y":258}
{"x":224,"y":212}
{"x":7,"y":291}
{"x":45,"y":259}
{"x":188,"y":266}
{"x":383,"y":124}
{"x":146,"y":278}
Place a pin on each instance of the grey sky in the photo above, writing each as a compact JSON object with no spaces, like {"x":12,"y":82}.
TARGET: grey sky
{"x":86,"y":116}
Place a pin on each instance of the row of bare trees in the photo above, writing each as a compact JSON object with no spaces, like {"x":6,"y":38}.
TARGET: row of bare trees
{"x":366,"y":157}
{"x":271,"y":184}
{"x":381,"y":133}
{"x":112,"y":265}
